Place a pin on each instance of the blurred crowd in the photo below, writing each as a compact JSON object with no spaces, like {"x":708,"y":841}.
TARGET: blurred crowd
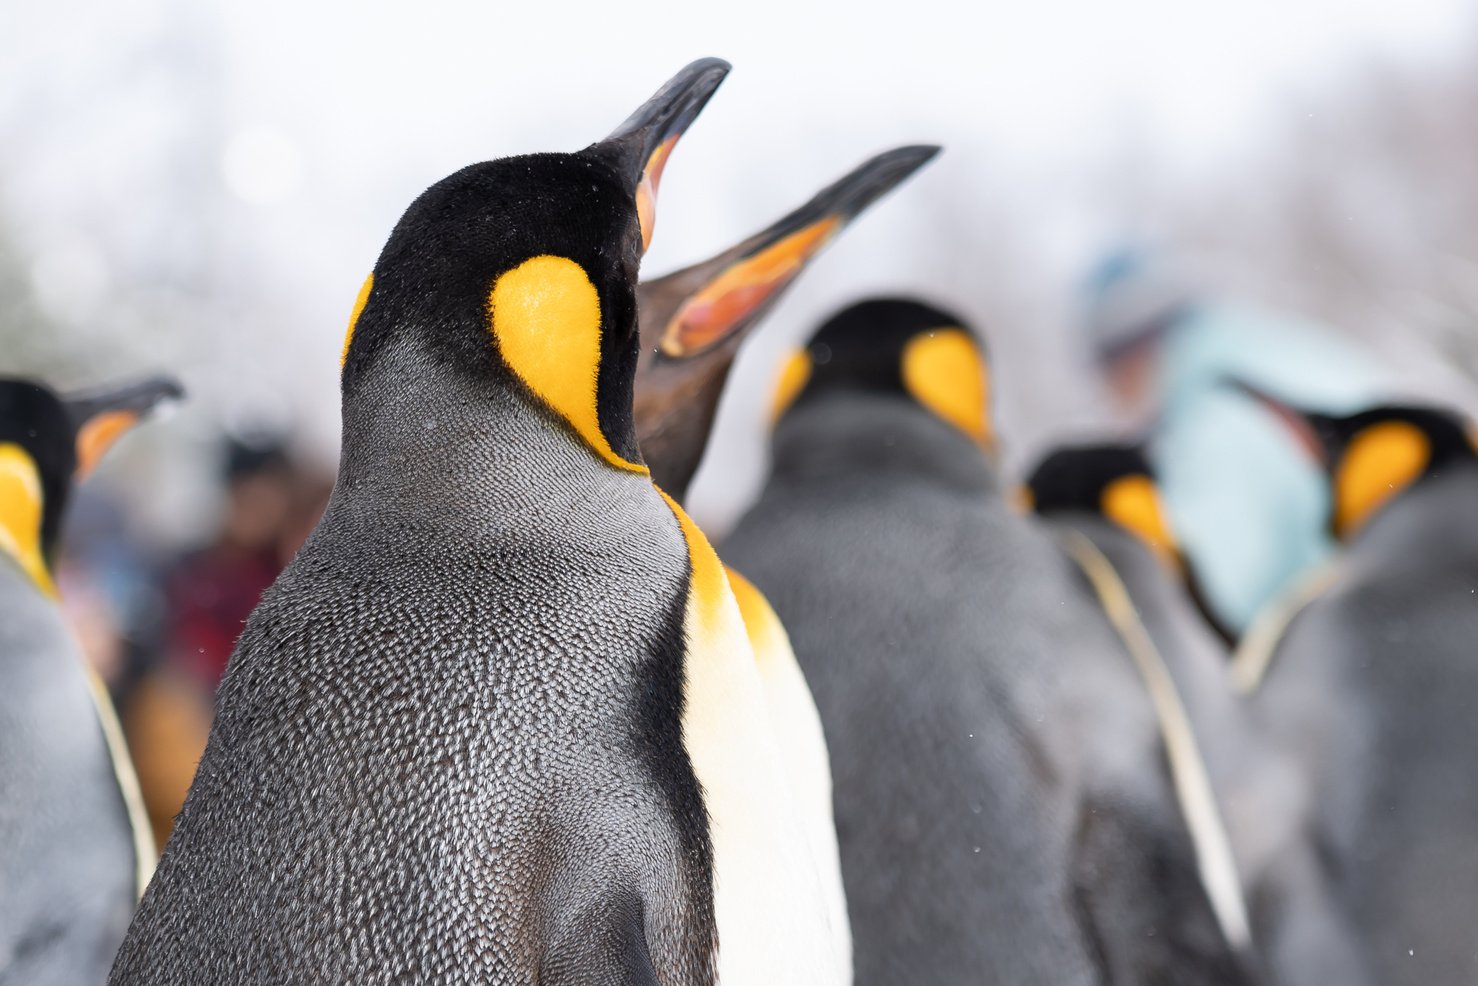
{"x":159,"y":630}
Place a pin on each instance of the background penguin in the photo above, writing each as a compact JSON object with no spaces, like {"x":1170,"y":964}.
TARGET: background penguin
{"x":987,"y":747}
{"x":75,"y":848}
{"x":499,"y":720}
{"x":1374,"y":685}
{"x":694,"y":320}
{"x":1106,"y":493}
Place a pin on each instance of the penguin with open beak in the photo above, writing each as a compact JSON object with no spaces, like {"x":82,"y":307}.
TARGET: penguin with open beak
{"x":75,"y":847}
{"x":1372,"y":684}
{"x":500,"y":720}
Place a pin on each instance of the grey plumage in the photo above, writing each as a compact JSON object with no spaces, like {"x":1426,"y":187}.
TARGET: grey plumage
{"x":996,"y":819}
{"x":1374,"y":687}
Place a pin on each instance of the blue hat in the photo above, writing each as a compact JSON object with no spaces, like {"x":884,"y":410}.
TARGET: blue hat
{"x":1130,"y":297}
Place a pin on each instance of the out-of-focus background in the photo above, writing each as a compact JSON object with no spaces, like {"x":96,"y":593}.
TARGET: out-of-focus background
{"x":201,"y":188}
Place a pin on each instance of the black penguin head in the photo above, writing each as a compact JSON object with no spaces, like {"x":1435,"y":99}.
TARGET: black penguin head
{"x":1114,"y":482}
{"x":694,"y":320}
{"x":1375,"y":455}
{"x":899,"y":347}
{"x":528,"y":266}
{"x":47,"y":441}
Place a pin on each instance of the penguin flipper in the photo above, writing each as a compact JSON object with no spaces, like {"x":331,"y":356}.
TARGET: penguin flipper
{"x":1141,"y":903}
{"x":605,"y":947}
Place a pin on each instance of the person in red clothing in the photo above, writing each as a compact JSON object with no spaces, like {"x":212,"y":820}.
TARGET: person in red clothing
{"x":271,"y":506}
{"x":211,"y":592}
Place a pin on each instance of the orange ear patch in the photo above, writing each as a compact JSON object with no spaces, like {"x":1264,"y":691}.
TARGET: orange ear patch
{"x":1134,"y":504}
{"x":1378,"y":463}
{"x":724,"y":302}
{"x":794,"y":374}
{"x":359,"y":303}
{"x":21,"y":509}
{"x":545,"y":316}
{"x":944,"y":371}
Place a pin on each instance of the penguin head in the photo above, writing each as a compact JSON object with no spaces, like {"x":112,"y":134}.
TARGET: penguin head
{"x":46,"y":442}
{"x":897,"y":347}
{"x":693,"y":320}
{"x":1114,"y":482}
{"x":1375,"y":455}
{"x":525,"y":268}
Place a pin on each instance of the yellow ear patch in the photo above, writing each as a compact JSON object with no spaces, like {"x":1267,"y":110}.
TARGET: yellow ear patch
{"x":545,"y":316}
{"x":795,"y":372}
{"x":944,"y":371}
{"x":1378,"y":463}
{"x":1133,"y":503}
{"x":22,"y":504}
{"x":359,"y":303}
{"x":722,"y":303}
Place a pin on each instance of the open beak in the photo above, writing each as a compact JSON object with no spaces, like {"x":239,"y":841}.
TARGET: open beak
{"x":102,"y":417}
{"x":693,"y":320}
{"x":644,"y":142}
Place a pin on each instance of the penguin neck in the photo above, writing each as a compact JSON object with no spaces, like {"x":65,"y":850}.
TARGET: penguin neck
{"x":452,"y":445}
{"x":23,"y":519}
{"x":1424,"y":526}
{"x":879,"y":436}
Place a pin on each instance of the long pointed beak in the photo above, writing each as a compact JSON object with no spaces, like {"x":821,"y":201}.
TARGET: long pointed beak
{"x":693,"y":320}
{"x":102,"y":417}
{"x":643,"y":143}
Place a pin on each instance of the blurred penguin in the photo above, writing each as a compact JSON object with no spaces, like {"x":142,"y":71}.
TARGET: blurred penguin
{"x":1000,"y":811}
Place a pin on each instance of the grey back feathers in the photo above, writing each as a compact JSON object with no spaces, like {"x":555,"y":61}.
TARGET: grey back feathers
{"x":1000,"y":811}
{"x":1373,"y":688}
{"x":445,"y":749}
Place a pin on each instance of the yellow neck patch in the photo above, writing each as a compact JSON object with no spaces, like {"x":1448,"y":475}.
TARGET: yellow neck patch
{"x":359,"y":303}
{"x":545,"y":316}
{"x":1133,"y":503}
{"x":22,"y":504}
{"x":722,"y":303}
{"x":1378,"y":463}
{"x":794,"y":374}
{"x":710,"y":588}
{"x":944,"y":371}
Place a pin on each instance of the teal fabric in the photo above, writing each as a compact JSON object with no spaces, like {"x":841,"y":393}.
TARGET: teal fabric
{"x":1249,"y":506}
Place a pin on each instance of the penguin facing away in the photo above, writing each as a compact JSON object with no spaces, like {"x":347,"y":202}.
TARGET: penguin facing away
{"x":1373,"y":684}
{"x":499,"y":720}
{"x":75,"y":848}
{"x":994,"y":817}
{"x":1106,"y":493}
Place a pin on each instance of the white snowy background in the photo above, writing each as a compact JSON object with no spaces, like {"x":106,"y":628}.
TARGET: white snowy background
{"x":202,"y":187}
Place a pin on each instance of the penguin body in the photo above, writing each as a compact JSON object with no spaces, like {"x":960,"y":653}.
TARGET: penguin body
{"x":70,"y":852}
{"x":693,"y":322}
{"x":1106,"y":493}
{"x":986,"y":831}
{"x":1372,"y":688}
{"x":499,"y":720}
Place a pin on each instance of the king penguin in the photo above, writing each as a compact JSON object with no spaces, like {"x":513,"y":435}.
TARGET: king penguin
{"x":75,"y":848}
{"x":499,"y":720}
{"x":693,"y":322}
{"x":1373,"y":685}
{"x":1251,"y":816}
{"x":986,"y":750}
